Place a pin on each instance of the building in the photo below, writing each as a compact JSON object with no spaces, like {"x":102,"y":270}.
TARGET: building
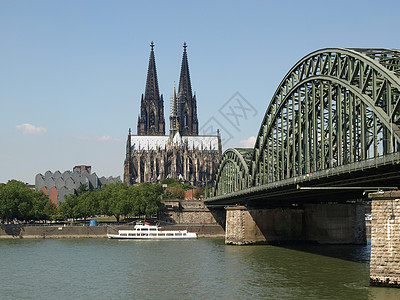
{"x":80,"y":169}
{"x":183,"y":154}
{"x":57,"y":185}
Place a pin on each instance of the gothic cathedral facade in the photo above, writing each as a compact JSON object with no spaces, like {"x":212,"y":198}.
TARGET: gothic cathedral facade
{"x":183,"y":154}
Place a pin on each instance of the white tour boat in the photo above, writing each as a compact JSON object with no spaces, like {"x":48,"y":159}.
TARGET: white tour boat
{"x":147,"y":231}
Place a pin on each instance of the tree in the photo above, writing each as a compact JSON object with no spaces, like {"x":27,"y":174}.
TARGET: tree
{"x":198,"y":193}
{"x":18,"y":201}
{"x":88,"y":203}
{"x":175,"y":192}
{"x":83,"y":188}
{"x":149,"y":198}
{"x":83,"y":204}
{"x":42,"y":208}
{"x":69,"y":208}
{"x":172,"y":182}
{"x":114,"y":200}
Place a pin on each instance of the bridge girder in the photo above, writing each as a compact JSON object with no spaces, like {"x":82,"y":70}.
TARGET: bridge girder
{"x":334,"y":107}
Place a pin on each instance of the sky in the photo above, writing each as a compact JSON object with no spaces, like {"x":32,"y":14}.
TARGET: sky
{"x":72,"y":72}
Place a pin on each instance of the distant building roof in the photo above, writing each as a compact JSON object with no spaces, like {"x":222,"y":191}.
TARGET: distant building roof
{"x":68,"y":182}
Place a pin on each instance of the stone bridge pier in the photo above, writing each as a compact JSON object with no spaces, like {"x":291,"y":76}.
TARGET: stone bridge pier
{"x":318,"y":223}
{"x":385,"y":239}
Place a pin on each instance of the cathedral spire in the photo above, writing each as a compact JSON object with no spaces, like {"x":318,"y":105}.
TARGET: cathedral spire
{"x":186,"y":103}
{"x":173,"y":119}
{"x":185,"y":88}
{"x":152,"y":92}
{"x":173,"y":105}
{"x":151,"y":120}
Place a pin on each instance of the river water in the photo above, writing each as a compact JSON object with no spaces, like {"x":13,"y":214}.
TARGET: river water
{"x":187,"y":269}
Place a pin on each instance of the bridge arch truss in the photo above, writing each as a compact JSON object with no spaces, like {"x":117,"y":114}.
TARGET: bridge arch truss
{"x":334,"y":107}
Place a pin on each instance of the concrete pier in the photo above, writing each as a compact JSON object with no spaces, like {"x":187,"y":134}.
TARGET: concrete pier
{"x":319,"y":223}
{"x":385,"y":239}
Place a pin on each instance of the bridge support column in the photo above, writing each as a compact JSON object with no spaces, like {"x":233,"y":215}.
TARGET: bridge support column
{"x":241,"y":229}
{"x":385,"y":239}
{"x":261,"y":226}
{"x":337,"y":223}
{"x":318,"y":223}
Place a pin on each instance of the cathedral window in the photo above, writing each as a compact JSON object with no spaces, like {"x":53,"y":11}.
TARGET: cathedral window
{"x":185,"y":123}
{"x":152,"y":119}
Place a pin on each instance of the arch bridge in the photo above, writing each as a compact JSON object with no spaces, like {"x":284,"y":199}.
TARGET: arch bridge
{"x":332,"y":122}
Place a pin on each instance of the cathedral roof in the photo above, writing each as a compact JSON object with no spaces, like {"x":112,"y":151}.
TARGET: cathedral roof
{"x":201,"y":142}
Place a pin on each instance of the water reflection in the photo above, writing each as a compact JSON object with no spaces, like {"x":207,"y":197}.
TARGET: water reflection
{"x":355,"y":253}
{"x":195,"y":269}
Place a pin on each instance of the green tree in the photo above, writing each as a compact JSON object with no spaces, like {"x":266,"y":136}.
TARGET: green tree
{"x":69,"y":208}
{"x":18,"y":201}
{"x":174,"y":192}
{"x":42,"y":207}
{"x":88,"y":203}
{"x":198,"y":193}
{"x":172,"y":182}
{"x":114,"y":200}
{"x":149,"y":198}
{"x":83,"y":188}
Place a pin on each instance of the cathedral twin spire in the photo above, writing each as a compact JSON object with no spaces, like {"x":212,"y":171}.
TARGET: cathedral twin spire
{"x":152,"y":91}
{"x":183,"y":116}
{"x":185,"y":88}
{"x":186,"y":102}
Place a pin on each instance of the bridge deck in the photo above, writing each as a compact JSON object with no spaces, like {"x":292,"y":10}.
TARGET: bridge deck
{"x":379,"y":172}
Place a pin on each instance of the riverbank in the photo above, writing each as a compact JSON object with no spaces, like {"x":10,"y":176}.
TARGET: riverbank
{"x":60,"y":231}
{"x":12,"y":231}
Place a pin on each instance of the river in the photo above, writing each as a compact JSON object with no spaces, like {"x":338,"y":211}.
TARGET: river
{"x":187,"y":269}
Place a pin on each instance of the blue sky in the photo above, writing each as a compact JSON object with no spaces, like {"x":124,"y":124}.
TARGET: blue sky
{"x":72,"y":72}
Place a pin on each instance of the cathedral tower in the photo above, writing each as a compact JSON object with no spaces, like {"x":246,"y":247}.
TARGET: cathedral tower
{"x":183,"y":154}
{"x":186,"y":102}
{"x":151,"y":120}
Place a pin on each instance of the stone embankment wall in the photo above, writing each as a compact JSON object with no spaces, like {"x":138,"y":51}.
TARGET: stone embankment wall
{"x":41,"y":232}
{"x":191,"y":215}
{"x":385,"y":239}
{"x":191,"y":212}
{"x":22,"y":231}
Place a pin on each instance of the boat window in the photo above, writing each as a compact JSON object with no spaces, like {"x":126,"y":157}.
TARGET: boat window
{"x":123,"y":234}
{"x":178,"y":234}
{"x":170,"y":234}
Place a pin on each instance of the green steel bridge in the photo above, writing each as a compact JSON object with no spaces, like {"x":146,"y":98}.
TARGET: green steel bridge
{"x":332,"y":125}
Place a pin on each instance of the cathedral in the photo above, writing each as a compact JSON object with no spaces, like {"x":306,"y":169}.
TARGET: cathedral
{"x":183,"y":154}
